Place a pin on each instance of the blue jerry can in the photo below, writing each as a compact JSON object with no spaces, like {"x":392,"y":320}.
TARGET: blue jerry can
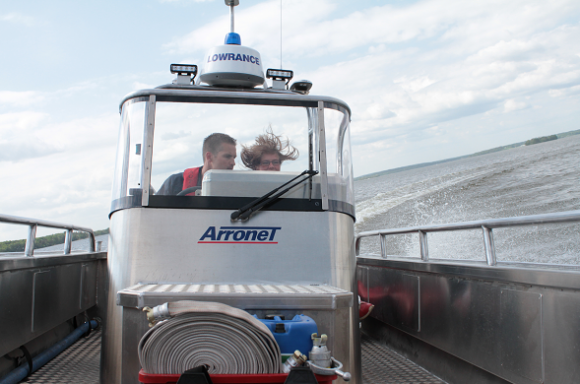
{"x":292,"y":334}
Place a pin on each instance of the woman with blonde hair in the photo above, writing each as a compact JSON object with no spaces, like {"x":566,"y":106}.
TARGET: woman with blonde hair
{"x":268,"y":152}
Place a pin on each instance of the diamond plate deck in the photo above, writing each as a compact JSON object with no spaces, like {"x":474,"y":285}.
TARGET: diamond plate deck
{"x":380,"y":365}
{"x":79,"y":364}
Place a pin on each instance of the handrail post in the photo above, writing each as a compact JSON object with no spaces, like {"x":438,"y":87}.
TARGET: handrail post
{"x":489,"y":246}
{"x":29,"y":248}
{"x":92,"y":242}
{"x":383,"y":241}
{"x":68,"y":241}
{"x":423,"y":244}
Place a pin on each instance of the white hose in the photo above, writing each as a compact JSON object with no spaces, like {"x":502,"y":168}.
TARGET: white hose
{"x":225,"y":339}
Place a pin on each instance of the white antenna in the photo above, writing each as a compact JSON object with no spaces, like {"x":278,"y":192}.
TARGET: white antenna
{"x":232,"y":4}
{"x":280,"y":34}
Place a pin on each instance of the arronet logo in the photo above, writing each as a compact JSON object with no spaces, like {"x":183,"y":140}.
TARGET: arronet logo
{"x":237,"y":235}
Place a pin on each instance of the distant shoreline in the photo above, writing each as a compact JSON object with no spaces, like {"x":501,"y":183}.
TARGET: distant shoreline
{"x":492,"y":150}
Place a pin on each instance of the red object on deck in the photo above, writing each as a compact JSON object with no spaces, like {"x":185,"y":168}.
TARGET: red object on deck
{"x":278,"y":378}
{"x":364,"y":310}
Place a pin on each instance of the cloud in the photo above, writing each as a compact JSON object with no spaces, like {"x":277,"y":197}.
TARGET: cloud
{"x":513,"y":105}
{"x":26,"y":135}
{"x":138,"y":86}
{"x":12,"y":122}
{"x":18,"y":18}
{"x":565,"y":92}
{"x":255,"y":24}
{"x":20,"y":99}
{"x":175,"y":135}
{"x":453,"y":88}
{"x":64,"y":188}
{"x":15,"y":151}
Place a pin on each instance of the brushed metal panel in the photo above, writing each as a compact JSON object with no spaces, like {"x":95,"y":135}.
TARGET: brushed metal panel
{"x":554,"y":276}
{"x":20,"y":262}
{"x":562,"y":336}
{"x":161,"y":246}
{"x":461,"y":317}
{"x":42,"y":312}
{"x":56,"y":296}
{"x":88,"y":286}
{"x":35,"y":300}
{"x":15,"y":305}
{"x":522,"y":344}
{"x":362,"y":277}
{"x":397,"y":298}
{"x":521,"y":333}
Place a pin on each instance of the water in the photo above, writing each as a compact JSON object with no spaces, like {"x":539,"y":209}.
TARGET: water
{"x":541,"y":178}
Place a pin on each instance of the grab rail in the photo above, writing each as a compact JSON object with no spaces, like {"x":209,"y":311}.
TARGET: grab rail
{"x":33,"y":224}
{"x":486,"y":225}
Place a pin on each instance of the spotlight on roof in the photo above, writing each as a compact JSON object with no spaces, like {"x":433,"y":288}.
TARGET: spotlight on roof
{"x":302,"y":86}
{"x":185,"y":73}
{"x":280,"y":77}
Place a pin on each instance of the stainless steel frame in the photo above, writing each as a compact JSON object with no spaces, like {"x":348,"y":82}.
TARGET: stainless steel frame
{"x":33,"y":225}
{"x":486,"y":226}
{"x":204,"y":94}
{"x":179,"y":260}
{"x":141,"y":252}
{"x":516,"y":321}
{"x":322,"y":152}
{"x":148,"y":150}
{"x":40,"y":293}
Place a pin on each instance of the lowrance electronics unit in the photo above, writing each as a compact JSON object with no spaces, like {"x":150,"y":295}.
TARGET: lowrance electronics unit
{"x":232,"y":64}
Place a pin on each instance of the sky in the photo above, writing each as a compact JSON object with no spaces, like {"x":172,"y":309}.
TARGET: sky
{"x":425,"y":80}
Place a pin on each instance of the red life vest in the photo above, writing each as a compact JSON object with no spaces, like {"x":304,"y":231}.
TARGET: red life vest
{"x":190,"y":176}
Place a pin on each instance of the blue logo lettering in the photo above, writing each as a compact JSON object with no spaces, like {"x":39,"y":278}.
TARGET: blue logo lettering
{"x":240,"y":235}
{"x":233,"y":56}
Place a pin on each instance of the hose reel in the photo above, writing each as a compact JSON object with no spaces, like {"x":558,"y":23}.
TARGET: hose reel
{"x":192,"y":333}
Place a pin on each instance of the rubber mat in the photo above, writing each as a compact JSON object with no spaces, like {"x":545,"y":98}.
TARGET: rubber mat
{"x":79,"y":364}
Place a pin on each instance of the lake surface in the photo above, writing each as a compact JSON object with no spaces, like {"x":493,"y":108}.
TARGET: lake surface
{"x":541,"y":178}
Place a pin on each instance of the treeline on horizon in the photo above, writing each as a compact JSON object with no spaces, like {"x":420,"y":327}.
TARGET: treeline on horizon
{"x":45,"y":241}
{"x":542,"y":139}
{"x":492,"y":150}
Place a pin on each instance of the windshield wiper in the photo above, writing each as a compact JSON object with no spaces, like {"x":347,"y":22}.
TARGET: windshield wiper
{"x":247,"y":210}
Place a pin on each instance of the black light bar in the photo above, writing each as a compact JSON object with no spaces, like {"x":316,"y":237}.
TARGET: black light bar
{"x":184,"y":69}
{"x":279,"y":74}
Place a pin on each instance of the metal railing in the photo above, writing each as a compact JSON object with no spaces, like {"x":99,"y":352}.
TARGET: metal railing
{"x":33,"y":224}
{"x":486,"y":226}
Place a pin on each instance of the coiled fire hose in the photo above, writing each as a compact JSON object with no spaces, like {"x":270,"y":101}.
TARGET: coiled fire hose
{"x":225,"y":339}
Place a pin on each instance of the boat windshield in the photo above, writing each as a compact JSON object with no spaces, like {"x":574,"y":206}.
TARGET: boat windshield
{"x":180,"y":129}
{"x":176,"y":136}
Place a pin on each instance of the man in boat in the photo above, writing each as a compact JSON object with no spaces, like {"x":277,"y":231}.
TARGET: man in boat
{"x":268,"y":152}
{"x":219,"y":152}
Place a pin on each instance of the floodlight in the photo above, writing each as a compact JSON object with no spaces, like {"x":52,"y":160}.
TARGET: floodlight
{"x":279,"y":74}
{"x":184,"y":69}
{"x":302,"y":86}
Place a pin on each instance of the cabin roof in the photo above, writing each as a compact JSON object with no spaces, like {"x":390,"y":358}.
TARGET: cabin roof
{"x":205,"y":94}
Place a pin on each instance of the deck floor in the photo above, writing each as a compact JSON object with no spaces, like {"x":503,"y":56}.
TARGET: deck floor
{"x":79,"y":364}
